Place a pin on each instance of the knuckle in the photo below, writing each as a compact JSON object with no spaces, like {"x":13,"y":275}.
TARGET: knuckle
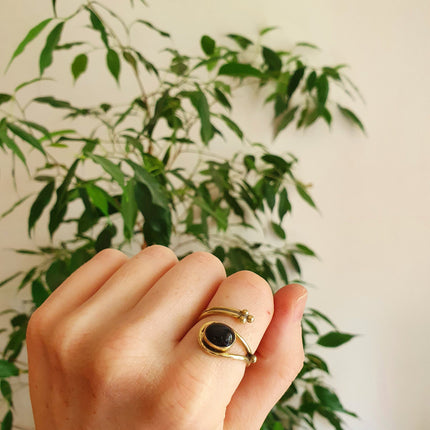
{"x":36,"y":325}
{"x":112,"y":254}
{"x":161,"y":251}
{"x":99,"y":373}
{"x":207,"y":259}
{"x":65,"y":345}
{"x":39,"y":327}
{"x":257,"y":284}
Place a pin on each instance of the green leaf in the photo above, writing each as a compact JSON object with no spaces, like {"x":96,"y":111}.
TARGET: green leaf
{"x":272,"y":59}
{"x":98,"y":26}
{"x":152,"y":27}
{"x":199,"y":101}
{"x":7,"y":422}
{"x":301,"y":189}
{"x":208,"y":45}
{"x":109,"y":167}
{"x":31,"y":35}
{"x":8,"y":369}
{"x":307,"y":45}
{"x":79,"y":257}
{"x":232,"y":126}
{"x":317,"y":362}
{"x":311,"y":80}
{"x":37,"y":127}
{"x":98,"y":196}
{"x":60,"y":207}
{"x":52,"y":41}
{"x":249,"y":162}
{"x":11,"y":145}
{"x":104,"y":239}
{"x":327,"y":398}
{"x":157,"y":227}
{"x":295,"y":263}
{"x":279,"y":231}
{"x":240,"y":259}
{"x":267,"y":30}
{"x":38,"y":292}
{"x":18,"y":131}
{"x":269,"y":194}
{"x":284,"y":204}
{"x":130,"y":60}
{"x":281,"y":270}
{"x":242,"y":41}
{"x":6,"y":391}
{"x":67,"y":46}
{"x":352,"y":117}
{"x":157,"y":192}
{"x":14,"y":206}
{"x":283,"y":120}
{"x":129,"y":208}
{"x":42,"y":200}
{"x":53,"y":102}
{"x":27,"y":278}
{"x":15,"y":344}
{"x":239,"y":70}
{"x":54,"y":7}
{"x":79,"y":66}
{"x":332,"y":72}
{"x":325,"y":113}
{"x":4,"y":98}
{"x":221,"y":97}
{"x":295,"y":80}
{"x":113,"y":63}
{"x":305,"y":250}
{"x":325,"y":318}
{"x":334,"y":339}
{"x":322,"y":89}
{"x":56,"y":274}
{"x":10,"y":278}
{"x":32,"y":81}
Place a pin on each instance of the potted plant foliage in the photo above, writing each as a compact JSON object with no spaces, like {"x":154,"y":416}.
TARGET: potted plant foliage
{"x":172,"y":167}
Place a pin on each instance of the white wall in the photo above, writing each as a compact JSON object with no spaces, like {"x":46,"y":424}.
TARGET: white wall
{"x":373,"y":193}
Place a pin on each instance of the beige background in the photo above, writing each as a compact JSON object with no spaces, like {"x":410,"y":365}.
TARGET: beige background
{"x":373,"y":233}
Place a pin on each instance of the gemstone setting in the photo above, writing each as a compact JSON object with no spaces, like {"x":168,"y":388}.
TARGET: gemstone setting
{"x":219,"y":336}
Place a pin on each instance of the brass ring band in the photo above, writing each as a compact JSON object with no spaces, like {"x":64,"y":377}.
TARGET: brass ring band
{"x":216,"y":338}
{"x":243,"y":315}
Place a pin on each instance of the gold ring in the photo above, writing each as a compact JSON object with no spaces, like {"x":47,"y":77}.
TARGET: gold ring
{"x":216,"y":338}
{"x":243,"y":315}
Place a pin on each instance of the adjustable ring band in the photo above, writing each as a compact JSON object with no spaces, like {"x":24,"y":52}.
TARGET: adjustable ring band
{"x":216,"y":338}
{"x":243,"y":315}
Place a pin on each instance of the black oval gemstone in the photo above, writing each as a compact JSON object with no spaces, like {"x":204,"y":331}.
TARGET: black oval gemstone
{"x":220,"y":335}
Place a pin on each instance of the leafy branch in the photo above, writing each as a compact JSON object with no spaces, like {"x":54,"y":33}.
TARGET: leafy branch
{"x":172,"y":166}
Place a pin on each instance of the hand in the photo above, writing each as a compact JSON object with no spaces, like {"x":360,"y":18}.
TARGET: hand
{"x":115,"y":347}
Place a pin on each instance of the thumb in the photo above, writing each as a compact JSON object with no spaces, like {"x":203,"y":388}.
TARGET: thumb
{"x":279,"y":359}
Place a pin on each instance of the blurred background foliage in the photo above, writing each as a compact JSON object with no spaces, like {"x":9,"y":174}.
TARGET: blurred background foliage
{"x":171,"y":167}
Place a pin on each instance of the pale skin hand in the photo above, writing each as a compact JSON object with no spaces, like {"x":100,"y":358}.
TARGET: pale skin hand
{"x":115,"y":346}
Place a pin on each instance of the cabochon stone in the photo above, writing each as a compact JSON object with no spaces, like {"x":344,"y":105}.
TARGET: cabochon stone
{"x":220,"y":335}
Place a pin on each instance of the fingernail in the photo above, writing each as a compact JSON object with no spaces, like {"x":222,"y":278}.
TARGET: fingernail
{"x":299,"y":307}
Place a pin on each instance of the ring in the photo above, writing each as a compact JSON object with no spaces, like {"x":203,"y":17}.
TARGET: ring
{"x":217,"y":338}
{"x":243,"y":315}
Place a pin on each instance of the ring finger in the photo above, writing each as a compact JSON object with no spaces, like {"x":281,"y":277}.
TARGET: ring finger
{"x":205,"y":383}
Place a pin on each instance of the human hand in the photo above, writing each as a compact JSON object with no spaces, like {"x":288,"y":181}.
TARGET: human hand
{"x":115,"y":347}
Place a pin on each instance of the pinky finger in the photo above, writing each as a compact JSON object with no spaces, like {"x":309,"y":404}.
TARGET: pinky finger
{"x":280,"y":359}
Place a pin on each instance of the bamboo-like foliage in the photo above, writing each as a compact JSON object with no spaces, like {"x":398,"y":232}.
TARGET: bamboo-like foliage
{"x":143,"y":192}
